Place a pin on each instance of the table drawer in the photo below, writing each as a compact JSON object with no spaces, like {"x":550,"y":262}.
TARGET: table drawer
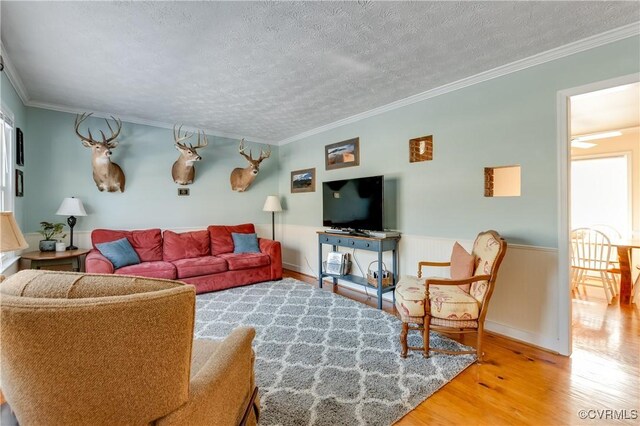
{"x":336,"y":240}
{"x":365,"y":244}
{"x":346,"y":241}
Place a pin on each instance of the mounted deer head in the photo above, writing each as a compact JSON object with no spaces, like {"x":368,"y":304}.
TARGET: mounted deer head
{"x":183,"y":170}
{"x":241,"y":179}
{"x":107,"y":175}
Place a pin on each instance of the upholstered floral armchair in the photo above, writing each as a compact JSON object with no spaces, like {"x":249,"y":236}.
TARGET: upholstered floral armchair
{"x":451,"y":305}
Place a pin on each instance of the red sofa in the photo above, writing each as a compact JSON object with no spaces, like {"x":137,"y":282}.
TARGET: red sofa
{"x":202,"y":258}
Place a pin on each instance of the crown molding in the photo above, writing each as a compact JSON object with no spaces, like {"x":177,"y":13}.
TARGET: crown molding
{"x":591,"y":42}
{"x":145,"y":122}
{"x":13,"y":76}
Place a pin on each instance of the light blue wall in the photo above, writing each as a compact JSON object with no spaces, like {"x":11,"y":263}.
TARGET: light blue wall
{"x":12,"y":101}
{"x":505,"y":121}
{"x":59,"y":167}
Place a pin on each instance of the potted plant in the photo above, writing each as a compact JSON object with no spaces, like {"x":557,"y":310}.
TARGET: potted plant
{"x":51,"y":232}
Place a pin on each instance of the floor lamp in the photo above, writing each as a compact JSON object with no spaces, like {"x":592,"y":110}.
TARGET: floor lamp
{"x":272,"y":204}
{"x":71,"y":207}
{"x":11,"y":238}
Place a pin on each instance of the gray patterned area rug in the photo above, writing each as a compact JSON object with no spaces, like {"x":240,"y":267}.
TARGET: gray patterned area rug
{"x":323,"y":359}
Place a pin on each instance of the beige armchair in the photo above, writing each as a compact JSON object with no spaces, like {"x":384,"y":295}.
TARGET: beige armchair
{"x":81,"y":349}
{"x":451,"y":305}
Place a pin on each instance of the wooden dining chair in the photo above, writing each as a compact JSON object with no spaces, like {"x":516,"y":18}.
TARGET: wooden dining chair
{"x":591,"y":260}
{"x":614,"y":264}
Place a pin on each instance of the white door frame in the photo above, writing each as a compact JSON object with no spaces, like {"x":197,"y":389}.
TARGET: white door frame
{"x":564,"y":205}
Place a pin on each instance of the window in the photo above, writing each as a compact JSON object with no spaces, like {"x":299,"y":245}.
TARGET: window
{"x":600,"y":192}
{"x":7,"y":169}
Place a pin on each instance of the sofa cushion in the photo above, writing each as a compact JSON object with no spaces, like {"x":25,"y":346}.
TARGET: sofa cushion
{"x":147,"y":243}
{"x":245,"y":243}
{"x":119,"y":252}
{"x":220,"y":235}
{"x":238,"y":261}
{"x":186,"y":245}
{"x":199,"y":266}
{"x":157,"y":269}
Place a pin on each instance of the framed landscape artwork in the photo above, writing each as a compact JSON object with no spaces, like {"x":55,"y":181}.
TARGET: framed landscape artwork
{"x":19,"y":147}
{"x":342,"y":154}
{"x":303,"y":180}
{"x":19,"y":183}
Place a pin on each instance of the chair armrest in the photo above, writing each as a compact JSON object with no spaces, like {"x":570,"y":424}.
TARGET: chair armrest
{"x":96,"y":263}
{"x":425,"y":263}
{"x":449,"y":281}
{"x":274,"y":250}
{"x":222,"y":388}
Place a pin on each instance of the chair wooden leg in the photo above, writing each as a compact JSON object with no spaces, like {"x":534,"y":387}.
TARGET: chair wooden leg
{"x":479,"y":347}
{"x":425,"y":336}
{"x":403,"y":340}
{"x":606,"y":284}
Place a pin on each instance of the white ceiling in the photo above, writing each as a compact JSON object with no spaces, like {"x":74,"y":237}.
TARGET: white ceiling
{"x":610,"y":109}
{"x":268,"y":71}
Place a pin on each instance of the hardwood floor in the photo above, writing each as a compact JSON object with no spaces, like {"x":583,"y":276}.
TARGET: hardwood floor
{"x":520,"y":384}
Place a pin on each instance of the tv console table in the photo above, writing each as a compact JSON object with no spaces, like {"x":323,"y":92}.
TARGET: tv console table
{"x":378,"y":245}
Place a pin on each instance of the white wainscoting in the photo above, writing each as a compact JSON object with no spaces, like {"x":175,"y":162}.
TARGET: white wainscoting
{"x":524,"y":305}
{"x":83,"y":238}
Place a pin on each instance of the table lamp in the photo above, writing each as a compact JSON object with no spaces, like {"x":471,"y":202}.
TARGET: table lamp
{"x":10,"y":236}
{"x":272,"y":204}
{"x":71,"y":207}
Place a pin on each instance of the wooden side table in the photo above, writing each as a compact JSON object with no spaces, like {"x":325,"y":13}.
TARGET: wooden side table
{"x":53,"y":258}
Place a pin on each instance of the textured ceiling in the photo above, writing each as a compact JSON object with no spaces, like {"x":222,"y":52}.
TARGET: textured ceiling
{"x":268,"y":70}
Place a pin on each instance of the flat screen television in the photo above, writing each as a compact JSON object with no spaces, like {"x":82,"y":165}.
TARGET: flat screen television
{"x":355,"y":204}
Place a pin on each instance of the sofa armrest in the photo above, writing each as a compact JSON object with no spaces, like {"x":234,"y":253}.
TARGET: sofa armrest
{"x":221,"y":390}
{"x":96,"y":263}
{"x":274,"y":250}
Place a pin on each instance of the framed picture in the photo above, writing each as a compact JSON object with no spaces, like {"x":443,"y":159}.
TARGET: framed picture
{"x":303,"y":180}
{"x":19,"y":183}
{"x":19,"y":147}
{"x":342,"y":154}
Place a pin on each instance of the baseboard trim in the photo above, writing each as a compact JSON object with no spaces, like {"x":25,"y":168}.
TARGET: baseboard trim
{"x":525,"y":337}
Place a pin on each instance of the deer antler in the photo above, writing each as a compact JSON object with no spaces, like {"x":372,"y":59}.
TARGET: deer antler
{"x":206,"y":142}
{"x":264,"y":155}
{"x":79,"y":120}
{"x":179,"y":139}
{"x":107,"y":141}
{"x":242,"y":148}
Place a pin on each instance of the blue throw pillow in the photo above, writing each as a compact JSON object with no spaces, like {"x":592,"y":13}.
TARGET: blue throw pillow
{"x":245,"y":243}
{"x":119,"y":252}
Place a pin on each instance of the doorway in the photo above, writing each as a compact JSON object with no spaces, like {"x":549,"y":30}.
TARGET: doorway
{"x":600,"y":189}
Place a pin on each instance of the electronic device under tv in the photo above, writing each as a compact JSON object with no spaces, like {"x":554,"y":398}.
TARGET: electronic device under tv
{"x":354,"y":204}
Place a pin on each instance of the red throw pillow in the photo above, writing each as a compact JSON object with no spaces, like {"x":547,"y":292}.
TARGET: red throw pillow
{"x":185,"y":245}
{"x":146,"y":242}
{"x":462,"y":265}
{"x":220,"y":236}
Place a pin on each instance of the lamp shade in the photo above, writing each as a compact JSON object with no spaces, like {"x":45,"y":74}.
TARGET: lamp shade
{"x":10,"y":236}
{"x":272,"y":204}
{"x":71,"y":207}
